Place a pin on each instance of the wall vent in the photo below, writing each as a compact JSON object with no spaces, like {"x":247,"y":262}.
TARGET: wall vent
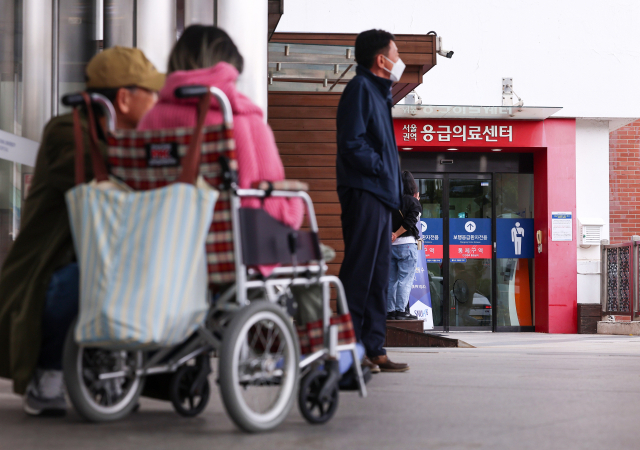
{"x":591,"y":231}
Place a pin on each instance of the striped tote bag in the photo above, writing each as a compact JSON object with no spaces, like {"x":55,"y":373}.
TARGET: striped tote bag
{"x":143,"y":275}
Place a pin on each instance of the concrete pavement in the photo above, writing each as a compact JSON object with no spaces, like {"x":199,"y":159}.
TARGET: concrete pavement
{"x":513,"y":391}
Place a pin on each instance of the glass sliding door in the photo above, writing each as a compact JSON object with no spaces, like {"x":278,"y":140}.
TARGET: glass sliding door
{"x":457,"y":229}
{"x":479,"y":248}
{"x":470,"y":252}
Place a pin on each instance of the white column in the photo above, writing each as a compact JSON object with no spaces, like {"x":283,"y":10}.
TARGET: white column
{"x":156,"y":30}
{"x":36,"y":67}
{"x":246,"y":21}
{"x":592,"y":199}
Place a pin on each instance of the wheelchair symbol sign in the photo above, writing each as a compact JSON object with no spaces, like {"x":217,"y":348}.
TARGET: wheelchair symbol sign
{"x":470,"y":227}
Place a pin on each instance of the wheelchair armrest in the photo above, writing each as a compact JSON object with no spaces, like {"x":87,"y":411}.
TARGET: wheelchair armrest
{"x":281,"y":185}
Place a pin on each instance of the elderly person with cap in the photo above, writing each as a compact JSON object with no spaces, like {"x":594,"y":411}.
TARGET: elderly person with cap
{"x":39,"y":278}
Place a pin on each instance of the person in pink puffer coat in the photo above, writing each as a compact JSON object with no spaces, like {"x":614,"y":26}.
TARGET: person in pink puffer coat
{"x":206,"y":55}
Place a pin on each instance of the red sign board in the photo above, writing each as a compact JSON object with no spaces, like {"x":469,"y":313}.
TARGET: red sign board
{"x":419,"y":134}
{"x":470,"y":251}
{"x":432,"y":251}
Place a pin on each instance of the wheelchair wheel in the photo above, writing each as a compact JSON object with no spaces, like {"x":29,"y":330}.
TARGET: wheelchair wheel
{"x":101,"y":398}
{"x":314,"y":409}
{"x":185,"y":402}
{"x":258,"y":367}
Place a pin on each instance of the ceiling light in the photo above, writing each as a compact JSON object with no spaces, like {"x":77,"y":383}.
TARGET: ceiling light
{"x":452,"y":149}
{"x":407,"y":148}
{"x":496,"y":149}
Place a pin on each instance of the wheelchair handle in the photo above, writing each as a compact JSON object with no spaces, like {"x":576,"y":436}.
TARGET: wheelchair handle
{"x":75,"y":100}
{"x":72,"y":100}
{"x":190,"y":91}
{"x":200,"y":90}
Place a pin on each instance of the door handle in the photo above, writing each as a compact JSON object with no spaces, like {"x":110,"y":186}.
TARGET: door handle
{"x":539,"y":239}
{"x":495,"y":247}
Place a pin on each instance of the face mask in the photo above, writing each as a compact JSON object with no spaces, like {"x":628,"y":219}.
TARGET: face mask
{"x":397,"y":69}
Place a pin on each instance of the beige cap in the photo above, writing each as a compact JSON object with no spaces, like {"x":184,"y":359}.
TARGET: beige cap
{"x":118,"y":67}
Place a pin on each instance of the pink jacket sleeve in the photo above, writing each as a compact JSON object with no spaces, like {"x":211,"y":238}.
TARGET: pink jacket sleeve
{"x":259,"y":160}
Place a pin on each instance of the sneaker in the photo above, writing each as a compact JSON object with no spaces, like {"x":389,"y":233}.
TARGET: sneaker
{"x":386,"y":365}
{"x":403,"y":315}
{"x":366,"y":362}
{"x":391,"y":315}
{"x":45,"y":394}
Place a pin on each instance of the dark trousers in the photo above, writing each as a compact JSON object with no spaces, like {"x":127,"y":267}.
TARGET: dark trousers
{"x":61,"y":307}
{"x":366,"y":229}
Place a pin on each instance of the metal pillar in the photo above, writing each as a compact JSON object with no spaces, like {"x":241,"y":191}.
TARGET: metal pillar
{"x":246,"y":21}
{"x":37,"y":63}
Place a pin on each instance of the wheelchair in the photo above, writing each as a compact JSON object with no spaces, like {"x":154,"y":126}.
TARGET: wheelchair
{"x":249,"y":326}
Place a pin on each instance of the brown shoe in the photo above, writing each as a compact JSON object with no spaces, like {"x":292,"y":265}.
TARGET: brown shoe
{"x":386,"y":365}
{"x":366,"y":362}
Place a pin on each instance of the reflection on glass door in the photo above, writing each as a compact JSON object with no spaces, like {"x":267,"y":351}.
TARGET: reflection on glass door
{"x":470,"y":252}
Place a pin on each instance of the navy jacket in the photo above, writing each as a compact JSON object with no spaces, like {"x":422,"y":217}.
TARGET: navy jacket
{"x":367,"y":151}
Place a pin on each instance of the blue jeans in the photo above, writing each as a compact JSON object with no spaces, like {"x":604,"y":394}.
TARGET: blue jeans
{"x":404,"y":259}
{"x":60,"y":309}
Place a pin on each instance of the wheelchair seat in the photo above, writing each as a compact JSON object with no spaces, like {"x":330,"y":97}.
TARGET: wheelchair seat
{"x":267,"y":241}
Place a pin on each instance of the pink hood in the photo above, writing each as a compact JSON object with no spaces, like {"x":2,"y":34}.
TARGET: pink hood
{"x":222,"y":75}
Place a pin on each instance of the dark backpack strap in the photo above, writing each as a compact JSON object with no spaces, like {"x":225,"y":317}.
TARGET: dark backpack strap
{"x":97,"y":161}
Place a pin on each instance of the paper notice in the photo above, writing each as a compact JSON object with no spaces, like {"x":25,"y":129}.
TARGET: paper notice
{"x":561,"y":226}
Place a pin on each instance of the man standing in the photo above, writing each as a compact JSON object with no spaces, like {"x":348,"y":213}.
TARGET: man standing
{"x":39,"y":279}
{"x":369,"y":188}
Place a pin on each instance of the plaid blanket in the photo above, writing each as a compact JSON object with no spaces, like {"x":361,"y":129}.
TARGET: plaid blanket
{"x":151,"y":159}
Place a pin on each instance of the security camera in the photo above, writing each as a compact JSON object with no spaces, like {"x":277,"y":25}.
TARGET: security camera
{"x":445,"y":53}
{"x":441,"y":51}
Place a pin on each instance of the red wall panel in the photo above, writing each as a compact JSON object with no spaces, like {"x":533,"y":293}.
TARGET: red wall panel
{"x":560,"y":141}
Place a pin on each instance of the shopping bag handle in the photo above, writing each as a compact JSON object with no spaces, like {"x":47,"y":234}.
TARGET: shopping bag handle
{"x":191,"y":161}
{"x":99,"y":168}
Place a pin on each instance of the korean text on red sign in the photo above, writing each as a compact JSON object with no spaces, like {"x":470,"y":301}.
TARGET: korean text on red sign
{"x":458,"y":133}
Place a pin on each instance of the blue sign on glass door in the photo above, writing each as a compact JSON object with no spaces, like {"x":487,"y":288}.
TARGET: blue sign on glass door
{"x":515,"y":238}
{"x":470,"y":238}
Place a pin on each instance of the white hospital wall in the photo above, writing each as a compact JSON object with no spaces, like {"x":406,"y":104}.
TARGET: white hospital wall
{"x":582,"y":55}
{"x":592,"y":199}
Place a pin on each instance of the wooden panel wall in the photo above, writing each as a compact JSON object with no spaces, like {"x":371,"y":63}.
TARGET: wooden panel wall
{"x":304,"y":125}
